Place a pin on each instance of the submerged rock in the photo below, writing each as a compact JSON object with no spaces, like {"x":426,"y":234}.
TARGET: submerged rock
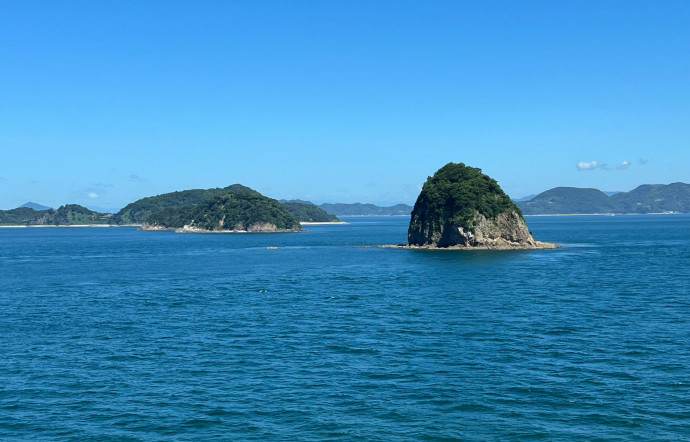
{"x":460,"y":207}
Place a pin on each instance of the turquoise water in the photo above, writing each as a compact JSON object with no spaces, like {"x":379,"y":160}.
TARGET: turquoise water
{"x":114,"y":333}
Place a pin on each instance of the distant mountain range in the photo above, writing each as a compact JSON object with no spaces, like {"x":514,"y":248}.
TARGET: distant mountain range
{"x":359,"y":209}
{"x":524,"y":198}
{"x":648,"y":198}
{"x":35,"y":206}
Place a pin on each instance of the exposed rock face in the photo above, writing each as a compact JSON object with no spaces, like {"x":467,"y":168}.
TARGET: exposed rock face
{"x":507,"y":231}
{"x":460,"y":207}
{"x":262,"y":227}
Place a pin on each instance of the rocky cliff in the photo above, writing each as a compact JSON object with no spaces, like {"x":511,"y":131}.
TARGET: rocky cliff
{"x":460,"y":207}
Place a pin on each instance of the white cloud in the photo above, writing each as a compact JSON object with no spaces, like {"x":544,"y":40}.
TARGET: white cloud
{"x":587,"y":165}
{"x":93,"y":195}
{"x":623,"y":165}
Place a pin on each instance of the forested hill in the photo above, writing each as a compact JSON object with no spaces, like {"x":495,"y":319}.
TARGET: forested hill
{"x":308,"y":212}
{"x":139,"y":211}
{"x":654,"y":198}
{"x":648,"y":198}
{"x":69,"y":214}
{"x":568,"y":200}
{"x":240,"y":211}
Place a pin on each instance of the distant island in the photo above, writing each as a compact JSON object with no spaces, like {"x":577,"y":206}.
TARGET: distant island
{"x":239,"y":209}
{"x":69,"y":214}
{"x":309,"y":212}
{"x":459,"y":207}
{"x":232,"y":208}
{"x":648,"y":198}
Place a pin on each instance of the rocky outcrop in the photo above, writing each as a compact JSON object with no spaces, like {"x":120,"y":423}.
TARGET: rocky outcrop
{"x":507,"y":231}
{"x":460,"y":207}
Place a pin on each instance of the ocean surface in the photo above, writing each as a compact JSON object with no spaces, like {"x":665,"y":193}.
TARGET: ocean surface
{"x":120,"y":334}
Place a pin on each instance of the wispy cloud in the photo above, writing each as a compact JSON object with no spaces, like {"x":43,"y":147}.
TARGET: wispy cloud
{"x":136,"y":178}
{"x":623,"y":165}
{"x":93,"y":195}
{"x":588,"y":165}
{"x":642,"y":161}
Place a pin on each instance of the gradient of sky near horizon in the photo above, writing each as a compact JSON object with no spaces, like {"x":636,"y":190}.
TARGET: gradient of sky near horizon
{"x":102,"y":103}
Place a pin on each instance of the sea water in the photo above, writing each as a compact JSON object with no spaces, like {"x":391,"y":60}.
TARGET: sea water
{"x":115,"y":333}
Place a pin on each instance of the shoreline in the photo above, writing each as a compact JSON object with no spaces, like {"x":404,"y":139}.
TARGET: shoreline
{"x":188,"y":229}
{"x":322,"y":223}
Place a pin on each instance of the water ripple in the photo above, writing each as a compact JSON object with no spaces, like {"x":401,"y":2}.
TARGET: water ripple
{"x":127,"y":335}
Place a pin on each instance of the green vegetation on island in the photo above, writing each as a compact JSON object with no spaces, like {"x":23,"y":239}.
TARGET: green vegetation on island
{"x":139,"y":211}
{"x":69,"y":214}
{"x":19,"y":216}
{"x":654,"y":198}
{"x":305,"y":211}
{"x":648,"y":198}
{"x":568,"y":200}
{"x":456,"y":193}
{"x":240,"y":211}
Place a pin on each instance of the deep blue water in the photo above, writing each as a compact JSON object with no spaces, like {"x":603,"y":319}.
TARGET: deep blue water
{"x":114,"y":333}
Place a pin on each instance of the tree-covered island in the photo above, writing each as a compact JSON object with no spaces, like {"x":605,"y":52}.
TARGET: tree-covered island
{"x":460,"y":207}
{"x":244,"y":211}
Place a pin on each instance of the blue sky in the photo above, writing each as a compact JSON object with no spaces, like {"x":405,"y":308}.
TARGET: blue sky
{"x":102,"y":103}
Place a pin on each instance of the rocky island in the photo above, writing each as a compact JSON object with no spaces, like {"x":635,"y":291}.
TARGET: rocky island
{"x":462,"y":208}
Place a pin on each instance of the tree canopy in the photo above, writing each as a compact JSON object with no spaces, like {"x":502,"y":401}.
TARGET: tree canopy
{"x":231,"y":211}
{"x":308,"y":212}
{"x":456,"y":193}
{"x":139,"y":211}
